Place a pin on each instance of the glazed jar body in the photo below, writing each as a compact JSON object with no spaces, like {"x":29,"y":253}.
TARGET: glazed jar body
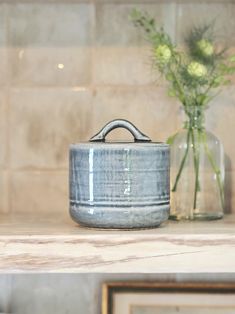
{"x":119,"y":185}
{"x":197,"y":173}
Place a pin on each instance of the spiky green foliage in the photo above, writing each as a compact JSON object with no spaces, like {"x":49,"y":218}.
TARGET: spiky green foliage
{"x":194,"y":75}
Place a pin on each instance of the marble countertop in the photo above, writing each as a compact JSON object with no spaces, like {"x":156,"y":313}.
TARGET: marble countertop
{"x":30,"y":244}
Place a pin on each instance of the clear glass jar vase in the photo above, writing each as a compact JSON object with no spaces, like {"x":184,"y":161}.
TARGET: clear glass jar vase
{"x":197,"y":170}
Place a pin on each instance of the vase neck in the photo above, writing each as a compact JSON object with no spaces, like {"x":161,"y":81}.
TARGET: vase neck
{"x":195,"y":117}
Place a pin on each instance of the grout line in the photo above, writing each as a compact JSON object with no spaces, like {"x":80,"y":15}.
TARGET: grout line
{"x":83,"y":88}
{"x":8,"y":133}
{"x":177,"y":8}
{"x":10,"y":287}
{"x":93,"y":37}
{"x":93,"y":43}
{"x":88,"y":87}
{"x":12,"y":2}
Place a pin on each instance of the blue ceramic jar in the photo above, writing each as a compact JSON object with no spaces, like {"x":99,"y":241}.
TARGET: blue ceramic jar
{"x":119,"y":184}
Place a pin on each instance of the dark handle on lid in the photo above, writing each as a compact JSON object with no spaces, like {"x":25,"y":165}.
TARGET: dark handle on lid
{"x":120,"y":123}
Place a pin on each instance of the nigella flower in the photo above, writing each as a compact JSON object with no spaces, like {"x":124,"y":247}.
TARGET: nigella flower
{"x":197,"y":69}
{"x":205,"y":47}
{"x":163,"y":54}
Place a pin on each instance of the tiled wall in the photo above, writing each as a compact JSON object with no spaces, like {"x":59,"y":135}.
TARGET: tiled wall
{"x":67,"y":67}
{"x":73,"y":293}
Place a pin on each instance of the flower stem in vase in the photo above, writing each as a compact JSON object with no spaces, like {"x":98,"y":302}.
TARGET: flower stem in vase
{"x":215,"y":170}
{"x":196,"y":158}
{"x":182,"y":163}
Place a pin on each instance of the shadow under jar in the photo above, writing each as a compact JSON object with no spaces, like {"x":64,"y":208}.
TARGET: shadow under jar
{"x":119,"y":184}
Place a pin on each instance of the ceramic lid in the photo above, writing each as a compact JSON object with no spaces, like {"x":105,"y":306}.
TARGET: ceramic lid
{"x":140,"y":139}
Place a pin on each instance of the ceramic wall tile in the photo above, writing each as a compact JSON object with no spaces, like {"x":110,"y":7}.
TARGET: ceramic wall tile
{"x":50,"y":43}
{"x":47,"y":122}
{"x":4,"y":192}
{"x":40,"y":193}
{"x":5,"y":295}
{"x":114,"y":28}
{"x":190,"y":13}
{"x":4,"y":75}
{"x":3,"y":46}
{"x":123,"y":66}
{"x":50,"y":66}
{"x":121,"y":55}
{"x":150,"y":109}
{"x":41,"y":25}
{"x":3,"y":129}
{"x":70,"y":294}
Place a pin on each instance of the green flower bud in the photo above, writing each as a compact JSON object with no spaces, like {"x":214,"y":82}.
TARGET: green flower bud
{"x":196,"y":69}
{"x":205,"y":47}
{"x":163,"y":54}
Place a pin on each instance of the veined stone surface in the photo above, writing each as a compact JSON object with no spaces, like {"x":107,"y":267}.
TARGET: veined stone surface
{"x":34,"y":245}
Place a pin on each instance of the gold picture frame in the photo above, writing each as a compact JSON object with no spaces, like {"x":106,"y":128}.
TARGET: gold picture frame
{"x":112,"y":289}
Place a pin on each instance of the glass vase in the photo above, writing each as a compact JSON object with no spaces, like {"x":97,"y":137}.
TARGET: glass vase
{"x":197,"y":170}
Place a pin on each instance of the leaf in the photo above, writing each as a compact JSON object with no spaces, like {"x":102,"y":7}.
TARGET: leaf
{"x":171,"y":139}
{"x":218,"y":79}
{"x":232,"y":58}
{"x":227,"y":69}
{"x":231,"y":70}
{"x":135,"y":14}
{"x":169,"y":76}
{"x":202,"y":99}
{"x":171,"y":92}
